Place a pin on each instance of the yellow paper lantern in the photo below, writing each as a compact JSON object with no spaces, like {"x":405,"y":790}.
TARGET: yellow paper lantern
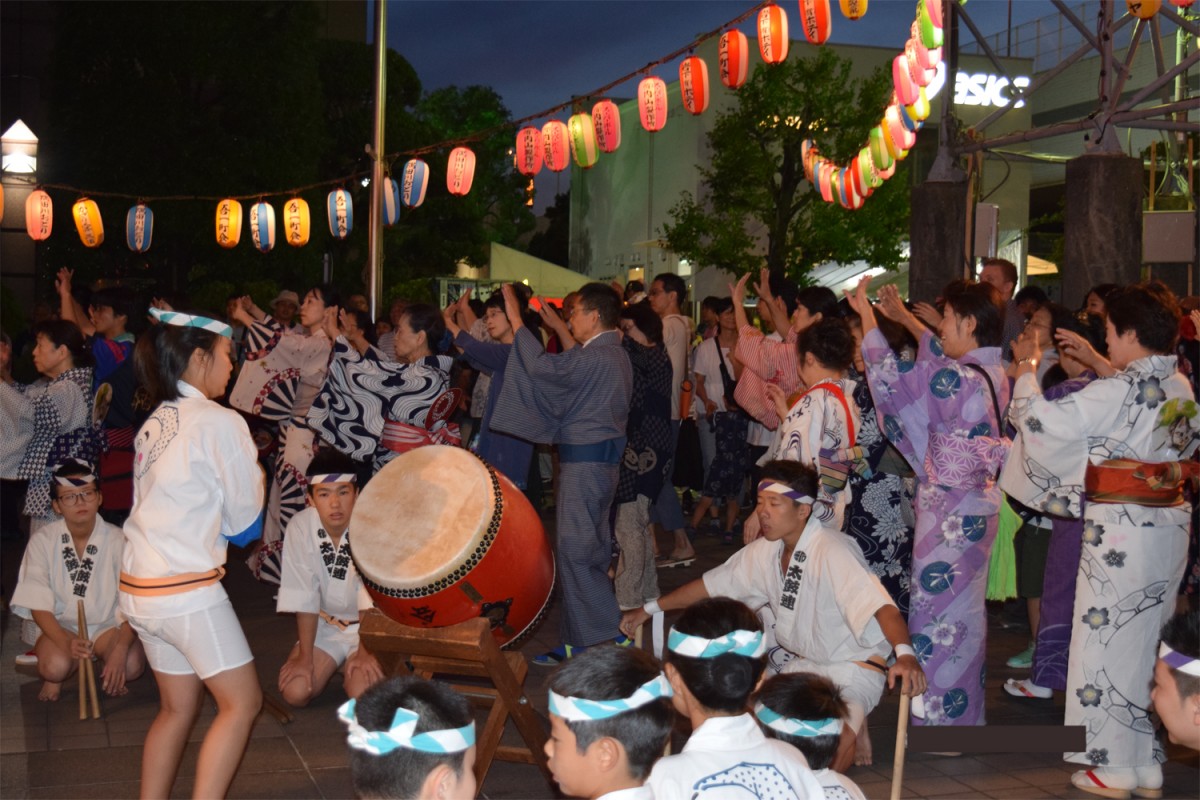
{"x":229,"y":223}
{"x":39,"y":215}
{"x":853,"y":9}
{"x":1143,"y":9}
{"x":296,"y":222}
{"x":88,"y":222}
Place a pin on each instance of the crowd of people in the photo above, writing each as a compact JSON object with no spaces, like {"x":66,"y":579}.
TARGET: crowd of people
{"x":887,"y":453}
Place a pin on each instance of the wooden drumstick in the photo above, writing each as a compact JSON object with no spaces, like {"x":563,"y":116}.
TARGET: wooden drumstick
{"x":901,"y":746}
{"x":87,"y":672}
{"x":81,"y":620}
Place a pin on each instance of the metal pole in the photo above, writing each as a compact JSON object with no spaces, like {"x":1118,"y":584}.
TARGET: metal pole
{"x":375,"y":232}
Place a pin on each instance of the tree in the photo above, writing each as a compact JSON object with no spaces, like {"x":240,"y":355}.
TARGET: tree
{"x":756,"y":187}
{"x":553,"y":244}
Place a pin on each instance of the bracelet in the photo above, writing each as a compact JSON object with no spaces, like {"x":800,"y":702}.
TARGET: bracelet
{"x":1027,"y":360}
{"x":905,"y":650}
{"x":652,"y":607}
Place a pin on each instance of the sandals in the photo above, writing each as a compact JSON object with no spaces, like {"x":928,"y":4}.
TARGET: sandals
{"x":1089,"y":781}
{"x":1027,"y":688}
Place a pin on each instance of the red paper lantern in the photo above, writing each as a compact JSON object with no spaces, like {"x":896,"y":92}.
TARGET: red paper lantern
{"x":808,"y":154}
{"x":825,"y":172}
{"x":733,"y":58}
{"x":607,"y":119}
{"x":816,"y":20}
{"x":556,"y":145}
{"x":652,"y":103}
{"x":906,"y":90}
{"x":528,"y":153}
{"x":460,"y":171}
{"x":1182,"y":3}
{"x":853,"y":9}
{"x":772,"y":34}
{"x":693,"y":84}
{"x":39,"y":215}
{"x":583,"y":140}
{"x":919,"y":76}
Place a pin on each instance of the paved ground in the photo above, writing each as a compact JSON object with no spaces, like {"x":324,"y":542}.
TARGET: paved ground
{"x":46,"y":752}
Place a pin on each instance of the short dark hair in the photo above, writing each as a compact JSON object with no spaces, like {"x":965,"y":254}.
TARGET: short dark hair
{"x":161,"y":356}
{"x":73,"y":468}
{"x":329,"y":295}
{"x":400,"y":773}
{"x":981,"y":302}
{"x":1006,"y":267}
{"x":1034,"y":294}
{"x":830,"y":343}
{"x":1101,"y":290}
{"x":1150,"y":310}
{"x":817,"y":300}
{"x":120,"y":299}
{"x":1182,"y":634}
{"x":673,"y":283}
{"x":329,"y":461}
{"x":712,"y":303}
{"x":785,"y":289}
{"x":64,"y":333}
{"x":601,"y":298}
{"x":799,"y":477}
{"x":614,"y":673}
{"x":363,"y":320}
{"x":808,"y":697}
{"x":723,"y":683}
{"x":423,"y":317}
{"x":643,"y":316}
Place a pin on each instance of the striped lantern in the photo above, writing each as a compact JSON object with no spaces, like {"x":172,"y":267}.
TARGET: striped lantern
{"x":88,"y":222}
{"x":853,"y":9}
{"x":919,"y":76}
{"x":229,"y":223}
{"x":928,"y":58}
{"x":825,"y":172}
{"x":881,"y":154}
{"x":606,"y":117}
{"x":652,"y":103}
{"x":772,"y":34}
{"x":262,"y":226}
{"x":414,"y":183}
{"x":816,"y":20}
{"x":902,"y":81}
{"x":1143,"y":9}
{"x":808,"y":152}
{"x":340,"y":208}
{"x":556,"y":145}
{"x":528,"y":153}
{"x":583,"y":140}
{"x":866,"y":165}
{"x":931,"y":34}
{"x":460,"y":171}
{"x":837,"y":187}
{"x":297,"y":222}
{"x":907,"y":119}
{"x":884,"y":174}
{"x":934,"y":10}
{"x":919,"y":109}
{"x":902,"y":137}
{"x":693,"y":84}
{"x":39,"y":215}
{"x":139,"y":228}
{"x":856,"y":179}
{"x":733,"y":58}
{"x":390,"y":197}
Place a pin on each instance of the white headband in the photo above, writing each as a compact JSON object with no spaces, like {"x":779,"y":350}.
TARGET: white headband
{"x":1177,"y":660}
{"x":333,"y":477}
{"x":775,"y":487}
{"x":797,"y":727}
{"x":85,"y":476}
{"x":379,"y":743}
{"x":579,"y":709}
{"x":741,"y":643}
{"x":192,"y":321}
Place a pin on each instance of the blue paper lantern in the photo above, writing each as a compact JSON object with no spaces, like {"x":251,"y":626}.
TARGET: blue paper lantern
{"x":414,"y":183}
{"x":262,"y":226}
{"x":391,"y":202}
{"x":341,"y":213}
{"x":139,"y":228}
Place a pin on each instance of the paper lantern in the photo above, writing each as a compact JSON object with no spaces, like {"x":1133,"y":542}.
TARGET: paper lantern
{"x":606,"y":118}
{"x":297,"y":222}
{"x":460,"y":171}
{"x":856,"y":178}
{"x":693,"y":84}
{"x":825,"y":172}
{"x":919,"y":109}
{"x":928,"y":58}
{"x":906,"y":90}
{"x":837,"y":187}
{"x":652,"y":103}
{"x":918,"y":75}
{"x":931,"y":34}
{"x":1143,"y":9}
{"x":229,"y":223}
{"x":816,"y":20}
{"x":88,"y":222}
{"x":733,"y":58}
{"x":390,"y":198}
{"x":934,"y":10}
{"x":808,"y":154}
{"x":881,"y":154}
{"x":556,"y":145}
{"x":414,"y":183}
{"x":772,"y":34}
{"x":340,"y":207}
{"x":866,"y":166}
{"x":908,"y":120}
{"x":262,"y":226}
{"x":39,"y":215}
{"x":903,"y":138}
{"x":139,"y":228}
{"x":528,"y":152}
{"x":1182,"y":3}
{"x":583,"y":140}
{"x":889,"y":172}
{"x":853,"y":9}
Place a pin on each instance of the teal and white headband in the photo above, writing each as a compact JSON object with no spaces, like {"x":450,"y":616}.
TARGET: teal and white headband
{"x":578,"y":709}
{"x":1177,"y":660}
{"x":401,"y":734}
{"x":192,"y":321}
{"x":797,"y":727}
{"x":740,"y":643}
{"x":333,"y":477}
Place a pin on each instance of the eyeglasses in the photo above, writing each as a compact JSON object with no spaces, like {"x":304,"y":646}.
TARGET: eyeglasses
{"x":79,"y":497}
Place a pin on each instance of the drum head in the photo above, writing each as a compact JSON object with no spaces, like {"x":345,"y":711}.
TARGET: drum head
{"x":422,"y":518}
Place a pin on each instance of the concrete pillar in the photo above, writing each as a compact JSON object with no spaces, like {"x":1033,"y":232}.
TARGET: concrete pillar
{"x":1103,"y":225}
{"x":937,"y":235}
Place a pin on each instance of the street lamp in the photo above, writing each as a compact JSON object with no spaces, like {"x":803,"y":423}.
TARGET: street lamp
{"x":18,"y":252}
{"x":18,"y":147}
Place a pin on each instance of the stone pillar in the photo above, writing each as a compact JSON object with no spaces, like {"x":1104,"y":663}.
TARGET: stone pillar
{"x":1103,"y":225}
{"x":937,"y":236}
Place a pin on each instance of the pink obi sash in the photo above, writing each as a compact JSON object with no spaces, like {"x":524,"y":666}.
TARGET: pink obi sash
{"x":400,"y":437}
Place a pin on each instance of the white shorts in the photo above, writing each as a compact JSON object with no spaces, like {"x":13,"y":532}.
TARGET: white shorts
{"x":336,"y":643}
{"x":861,"y":687}
{"x":203,"y":643}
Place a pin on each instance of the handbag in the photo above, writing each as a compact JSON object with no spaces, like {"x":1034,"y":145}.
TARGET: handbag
{"x":727,"y":381}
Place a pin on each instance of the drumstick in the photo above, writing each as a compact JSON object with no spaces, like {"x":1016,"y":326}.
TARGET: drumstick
{"x":88,"y":668}
{"x":901,"y":746}
{"x":81,"y":621}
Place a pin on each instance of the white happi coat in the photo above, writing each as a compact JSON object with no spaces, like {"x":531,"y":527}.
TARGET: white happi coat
{"x":314,"y":581}
{"x":45,"y":582}
{"x":729,"y":758}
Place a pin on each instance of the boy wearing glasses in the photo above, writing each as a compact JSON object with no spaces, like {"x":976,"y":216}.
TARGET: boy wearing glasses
{"x":77,"y":557}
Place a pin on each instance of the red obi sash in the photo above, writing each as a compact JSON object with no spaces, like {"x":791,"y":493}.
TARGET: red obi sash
{"x":400,"y":437}
{"x":1143,"y":483}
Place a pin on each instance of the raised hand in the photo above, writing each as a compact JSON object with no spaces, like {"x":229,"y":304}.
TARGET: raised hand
{"x":62,"y":281}
{"x":928,"y":314}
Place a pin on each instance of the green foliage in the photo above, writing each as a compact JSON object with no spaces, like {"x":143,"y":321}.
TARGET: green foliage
{"x":756,"y":188}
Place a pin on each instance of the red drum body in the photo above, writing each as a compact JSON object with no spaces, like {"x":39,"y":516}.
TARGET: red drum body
{"x":440,"y":538}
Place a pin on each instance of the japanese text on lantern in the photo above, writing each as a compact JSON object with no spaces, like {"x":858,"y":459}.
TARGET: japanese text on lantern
{"x":339,"y":203}
{"x":811,"y":31}
{"x":223,"y":223}
{"x":85,"y":224}
{"x":651,"y":104}
{"x":293,"y":218}
{"x":139,"y":223}
{"x":689,"y":91}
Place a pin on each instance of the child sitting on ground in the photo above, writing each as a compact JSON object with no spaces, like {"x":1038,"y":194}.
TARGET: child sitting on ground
{"x":410,"y":739}
{"x":610,"y":717}
{"x":77,"y":557}
{"x":806,"y":711}
{"x":715,"y":658}
{"x":321,"y":585}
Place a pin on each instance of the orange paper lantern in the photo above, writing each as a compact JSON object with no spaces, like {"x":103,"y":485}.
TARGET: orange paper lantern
{"x":693,"y":84}
{"x":853,"y":9}
{"x":1143,"y":9}
{"x":733,"y":58}
{"x":528,"y":153}
{"x":556,"y":145}
{"x":229,"y":223}
{"x":772,"y":34}
{"x":460,"y":171}
{"x":88,"y":222}
{"x":816,"y":20}
{"x":652,"y":103}
{"x":296,"y":222}
{"x":607,"y":119}
{"x":39,"y":215}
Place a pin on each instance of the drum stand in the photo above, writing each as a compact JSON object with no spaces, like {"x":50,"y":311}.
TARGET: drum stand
{"x":466,"y":650}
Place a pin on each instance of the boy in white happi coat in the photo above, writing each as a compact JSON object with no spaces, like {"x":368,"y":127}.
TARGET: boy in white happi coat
{"x":832,"y":615}
{"x":322,"y":587}
{"x":77,"y":557}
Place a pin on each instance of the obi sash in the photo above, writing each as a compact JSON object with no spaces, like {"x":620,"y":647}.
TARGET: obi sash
{"x":340,"y":624}
{"x":1143,"y":483}
{"x":400,"y":437}
{"x":836,"y":465}
{"x":956,"y":462}
{"x":174,"y":584}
